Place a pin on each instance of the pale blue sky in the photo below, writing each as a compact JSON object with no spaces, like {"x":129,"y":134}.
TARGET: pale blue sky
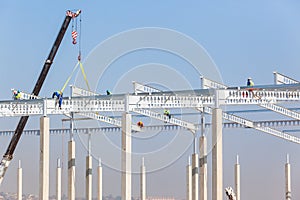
{"x":249,"y":38}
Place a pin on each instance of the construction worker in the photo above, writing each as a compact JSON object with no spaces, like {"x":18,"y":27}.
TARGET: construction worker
{"x":250,"y":83}
{"x":108,"y":92}
{"x":140,"y":124}
{"x":167,"y":113}
{"x":59,"y":97}
{"x":17,"y":95}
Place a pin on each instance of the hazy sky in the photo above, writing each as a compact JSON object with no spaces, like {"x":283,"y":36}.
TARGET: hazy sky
{"x":242,"y":39}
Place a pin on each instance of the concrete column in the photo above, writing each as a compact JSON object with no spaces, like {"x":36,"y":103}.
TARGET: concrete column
{"x":89,"y":170}
{"x":71,"y":162}
{"x":88,"y":178}
{"x":195,"y":176}
{"x":71,"y":170}
{"x":288,"y":195}
{"x":20,"y":180}
{"x":58,"y":180}
{"x":237,"y":188}
{"x":100,"y":181}
{"x":217,"y":155}
{"x":143,"y":180}
{"x":189,"y":180}
{"x":203,"y":167}
{"x":126,"y":157}
{"x":44,"y":158}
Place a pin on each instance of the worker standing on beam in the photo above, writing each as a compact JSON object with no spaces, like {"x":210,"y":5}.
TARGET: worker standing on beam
{"x":167,"y":113}
{"x":59,"y":97}
{"x":140,"y":124}
{"x":17,"y":95}
{"x":250,"y":83}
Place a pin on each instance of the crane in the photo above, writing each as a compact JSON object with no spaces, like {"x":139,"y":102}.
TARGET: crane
{"x":23,"y":120}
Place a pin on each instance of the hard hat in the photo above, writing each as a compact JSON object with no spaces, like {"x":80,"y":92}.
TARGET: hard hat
{"x":249,"y":78}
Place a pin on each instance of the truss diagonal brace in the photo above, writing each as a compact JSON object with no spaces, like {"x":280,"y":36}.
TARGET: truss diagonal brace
{"x":25,"y":95}
{"x":109,"y":120}
{"x":283,"y":79}
{"x":140,"y":88}
{"x":251,"y":124}
{"x":281,"y":110}
{"x":207,"y":84}
{"x":164,"y":118}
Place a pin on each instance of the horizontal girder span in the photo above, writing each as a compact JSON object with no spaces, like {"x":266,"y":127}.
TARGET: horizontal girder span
{"x":116,"y":103}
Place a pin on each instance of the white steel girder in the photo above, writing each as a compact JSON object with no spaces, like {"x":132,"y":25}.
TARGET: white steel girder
{"x":281,"y":110}
{"x":169,"y":127}
{"x":166,"y":119}
{"x":283,"y":79}
{"x":207,"y":84}
{"x":76,"y":91}
{"x":249,"y":96}
{"x":109,"y":120}
{"x":251,"y":124}
{"x":246,"y":96}
{"x":278,"y":79}
{"x":117,"y":103}
{"x":141,"y":88}
{"x":79,"y":91}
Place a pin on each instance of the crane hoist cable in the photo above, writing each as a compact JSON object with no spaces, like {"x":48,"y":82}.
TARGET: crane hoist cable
{"x":79,"y":63}
{"x":77,"y":33}
{"x":79,"y":45}
{"x":83,"y":74}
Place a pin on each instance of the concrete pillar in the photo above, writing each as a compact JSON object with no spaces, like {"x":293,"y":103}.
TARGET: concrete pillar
{"x":195,"y":176}
{"x":100,"y":181}
{"x":44,"y":158}
{"x":217,"y":155}
{"x":203,"y":167}
{"x":237,"y":188}
{"x":71,"y":162}
{"x":20,"y":180}
{"x":126,"y":157}
{"x":58,"y":180}
{"x":88,"y":178}
{"x":89,"y":170}
{"x":288,"y":195}
{"x":189,"y":180}
{"x":71,"y":170}
{"x":143,"y":180}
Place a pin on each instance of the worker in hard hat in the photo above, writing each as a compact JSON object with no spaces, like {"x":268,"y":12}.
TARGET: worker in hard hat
{"x":17,"y":95}
{"x":167,"y":113}
{"x":59,"y":97}
{"x":140,"y":124}
{"x":250,"y":83}
{"x":108,"y":92}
